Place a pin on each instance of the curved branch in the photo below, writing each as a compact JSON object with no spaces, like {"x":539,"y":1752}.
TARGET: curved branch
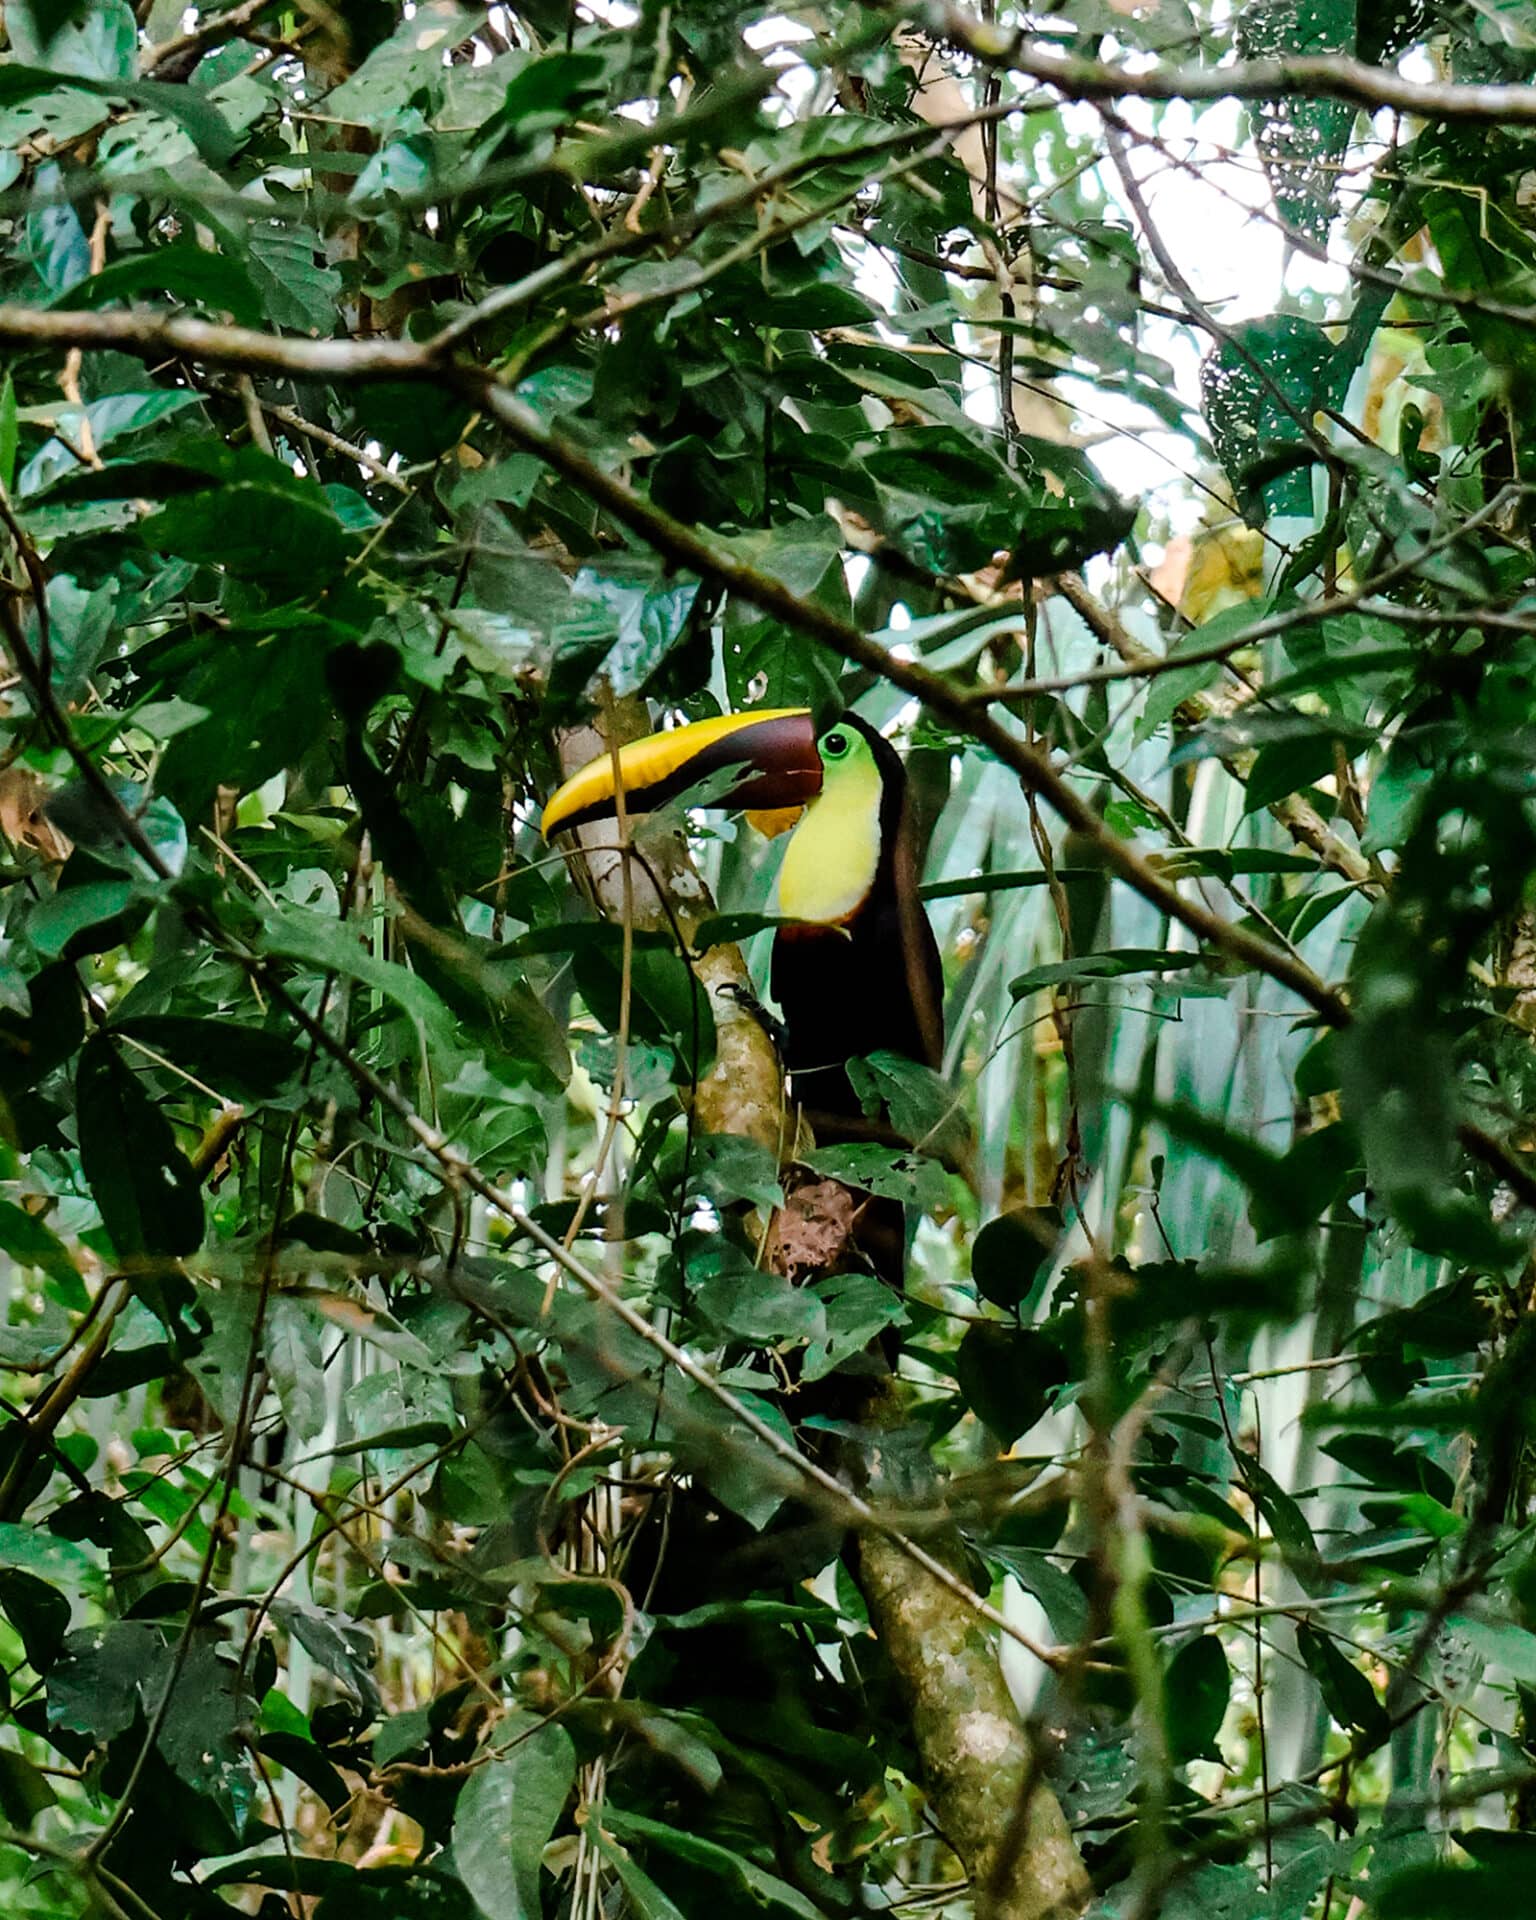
{"x":1325,"y":76}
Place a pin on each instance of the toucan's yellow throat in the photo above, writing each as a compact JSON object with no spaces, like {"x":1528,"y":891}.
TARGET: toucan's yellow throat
{"x":834,"y":854}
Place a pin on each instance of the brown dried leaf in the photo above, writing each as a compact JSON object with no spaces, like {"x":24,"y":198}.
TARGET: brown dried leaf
{"x":23,"y":796}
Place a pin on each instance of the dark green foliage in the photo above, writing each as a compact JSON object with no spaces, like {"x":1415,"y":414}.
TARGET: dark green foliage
{"x":1199,"y":1687}
{"x":353,"y":1555}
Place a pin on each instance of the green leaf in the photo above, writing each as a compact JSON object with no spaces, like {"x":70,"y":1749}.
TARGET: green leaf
{"x":1301,"y":141}
{"x":404,"y":1415}
{"x":274,"y":531}
{"x":244,"y":1062}
{"x":667,"y":1008}
{"x":295,"y":1358}
{"x":649,"y":615}
{"x":1066,"y":1606}
{"x":31,"y":1243}
{"x":507,"y":1811}
{"x":201,"y":1732}
{"x":1287,"y":1523}
{"x":647,"y":1899}
{"x":60,"y":1562}
{"x":859,"y":1307}
{"x":56,"y":241}
{"x":1007,"y":882}
{"x":298,"y":286}
{"x":1262,"y":386}
{"x":1214,"y":1892}
{"x":24,"y":1792}
{"x":331,"y":947}
{"x":1437,"y":1890}
{"x":738,"y":1299}
{"x":1010,"y":1257}
{"x":919,"y":1102}
{"x":195,"y":274}
{"x":93,"y":1686}
{"x":114,"y":415}
{"x":1348,"y":1695}
{"x":306,"y":1762}
{"x":140,"y":1179}
{"x":38,"y":1612}
{"x":1007,"y":1375}
{"x":8,"y":434}
{"x":730,"y":929}
{"x":401,"y":1733}
{"x":740,"y":1875}
{"x":202,"y":122}
{"x":1501,"y":1643}
{"x":1197,"y":1688}
{"x":61,"y":921}
{"x":372,"y":1893}
{"x":337,"y":1644}
{"x":95,"y":40}
{"x":949,"y":503}
{"x":912,"y":1178}
{"x":1128,"y":962}
{"x":1286,"y":766}
{"x":729,"y":1167}
{"x":410,"y":60}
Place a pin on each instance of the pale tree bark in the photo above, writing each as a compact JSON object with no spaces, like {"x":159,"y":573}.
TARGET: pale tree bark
{"x":744,"y":1089}
{"x":979,"y":1770}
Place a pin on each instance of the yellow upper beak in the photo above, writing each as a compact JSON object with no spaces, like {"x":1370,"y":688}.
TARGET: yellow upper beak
{"x":774,"y":750}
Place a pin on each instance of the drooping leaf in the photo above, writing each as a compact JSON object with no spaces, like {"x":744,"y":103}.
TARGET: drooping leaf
{"x":1348,"y":1695}
{"x":1197,"y":1688}
{"x":140,"y":1179}
{"x":505,"y":1814}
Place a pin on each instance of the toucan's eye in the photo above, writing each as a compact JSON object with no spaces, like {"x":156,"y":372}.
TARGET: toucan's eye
{"x":835,"y":745}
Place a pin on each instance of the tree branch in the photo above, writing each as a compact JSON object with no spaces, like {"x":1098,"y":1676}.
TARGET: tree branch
{"x":149,"y":333}
{"x":186,"y":48}
{"x":1330,"y":76}
{"x":977,"y":1763}
{"x":1299,"y":817}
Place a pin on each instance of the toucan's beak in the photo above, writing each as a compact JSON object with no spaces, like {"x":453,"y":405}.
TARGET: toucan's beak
{"x":774,"y":752}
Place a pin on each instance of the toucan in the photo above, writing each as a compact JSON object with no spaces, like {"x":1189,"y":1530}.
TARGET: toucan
{"x":856,"y":968}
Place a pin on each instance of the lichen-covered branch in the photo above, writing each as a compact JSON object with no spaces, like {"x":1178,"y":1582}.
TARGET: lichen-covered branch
{"x":977,"y":1762}
{"x":743,"y":1092}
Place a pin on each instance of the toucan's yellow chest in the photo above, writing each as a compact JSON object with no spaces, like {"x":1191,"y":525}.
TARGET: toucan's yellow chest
{"x":834,"y":854}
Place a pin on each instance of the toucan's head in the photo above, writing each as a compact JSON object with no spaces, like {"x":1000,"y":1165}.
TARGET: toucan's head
{"x":848,"y":779}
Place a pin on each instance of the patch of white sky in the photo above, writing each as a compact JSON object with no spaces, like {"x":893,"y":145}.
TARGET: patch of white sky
{"x":1208,"y":196}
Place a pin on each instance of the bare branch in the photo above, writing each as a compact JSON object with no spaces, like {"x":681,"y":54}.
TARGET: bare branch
{"x":1301,"y":77}
{"x":187,"y":47}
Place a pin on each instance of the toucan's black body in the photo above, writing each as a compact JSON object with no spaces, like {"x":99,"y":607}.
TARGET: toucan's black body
{"x":859,"y":988}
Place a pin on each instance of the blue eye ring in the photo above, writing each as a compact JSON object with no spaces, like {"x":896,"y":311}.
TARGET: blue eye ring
{"x":835,"y":744}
